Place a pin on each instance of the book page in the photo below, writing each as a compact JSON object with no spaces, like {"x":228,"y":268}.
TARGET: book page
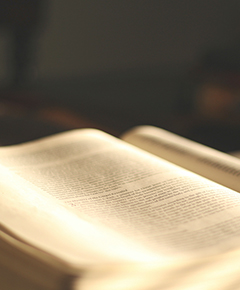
{"x":209,"y":273}
{"x":210,"y":163}
{"x":36,"y":219}
{"x":166,"y":210}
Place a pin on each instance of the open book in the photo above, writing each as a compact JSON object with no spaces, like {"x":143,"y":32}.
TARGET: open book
{"x":85,"y":210}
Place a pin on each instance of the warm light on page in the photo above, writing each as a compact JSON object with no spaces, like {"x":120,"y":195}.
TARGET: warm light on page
{"x":50,"y":226}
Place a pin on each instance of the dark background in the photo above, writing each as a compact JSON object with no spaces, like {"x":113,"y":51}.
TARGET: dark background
{"x":117,"y":64}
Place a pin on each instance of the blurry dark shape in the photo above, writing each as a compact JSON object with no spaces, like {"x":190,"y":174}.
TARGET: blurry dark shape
{"x":24,"y":118}
{"x":212,"y":105}
{"x":23,"y":114}
{"x":217,"y":93}
{"x":22,"y":18}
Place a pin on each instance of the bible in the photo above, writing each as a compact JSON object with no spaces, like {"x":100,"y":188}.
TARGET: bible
{"x":150,"y":210}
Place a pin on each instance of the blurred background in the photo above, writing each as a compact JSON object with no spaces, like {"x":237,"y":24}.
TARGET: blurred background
{"x":117,"y":64}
